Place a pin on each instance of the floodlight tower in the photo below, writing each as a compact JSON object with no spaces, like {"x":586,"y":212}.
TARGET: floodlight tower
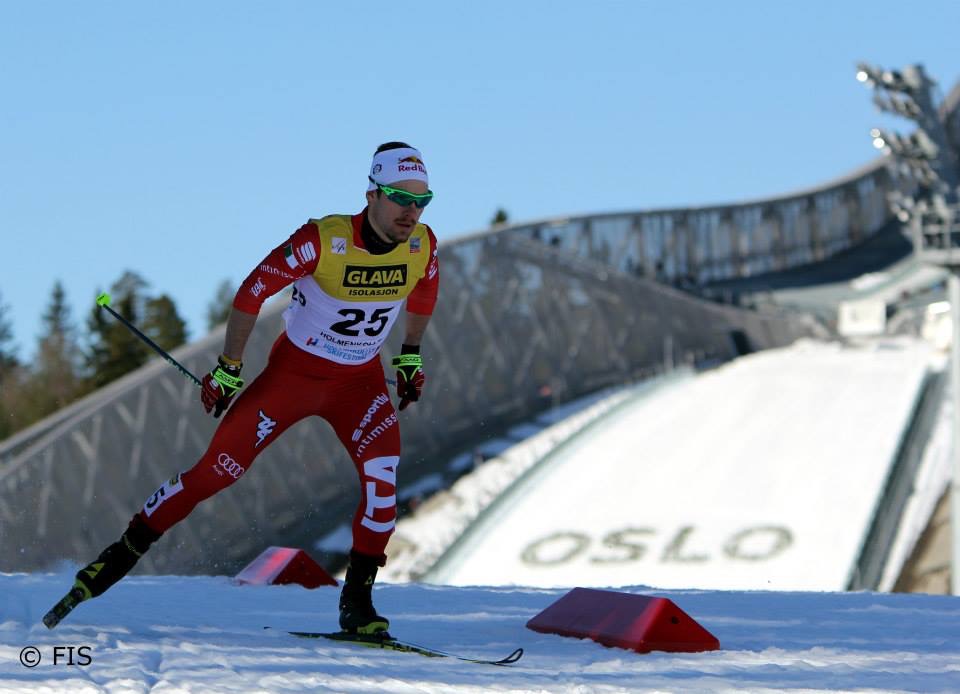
{"x":926,"y":161}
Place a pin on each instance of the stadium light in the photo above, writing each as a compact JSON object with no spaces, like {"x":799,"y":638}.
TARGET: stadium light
{"x":901,"y":104}
{"x":905,"y":107}
{"x":914,"y":77}
{"x":868,"y":73}
{"x":926,"y":148}
{"x":892,"y":79}
{"x":893,"y":143}
{"x":881,"y":103}
{"x":926,"y":152}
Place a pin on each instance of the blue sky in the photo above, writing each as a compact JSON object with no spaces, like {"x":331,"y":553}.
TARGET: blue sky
{"x":183,"y":140}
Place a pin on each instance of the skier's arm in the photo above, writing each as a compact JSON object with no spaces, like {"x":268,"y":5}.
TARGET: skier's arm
{"x":416,"y":326}
{"x":295,"y":258}
{"x":423,"y":298}
{"x":239,"y":327}
{"x":420,"y":303}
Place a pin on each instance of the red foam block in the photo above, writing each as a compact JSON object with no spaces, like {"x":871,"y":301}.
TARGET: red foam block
{"x":623,"y":620}
{"x":284,"y":565}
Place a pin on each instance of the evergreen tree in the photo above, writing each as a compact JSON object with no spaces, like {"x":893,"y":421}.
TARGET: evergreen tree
{"x":114,"y":350}
{"x":133,"y":286}
{"x":8,"y":351}
{"x":10,"y":377}
{"x":54,"y":379}
{"x":12,"y":390}
{"x":162,"y":323}
{"x":499,"y":217}
{"x":218,"y":310}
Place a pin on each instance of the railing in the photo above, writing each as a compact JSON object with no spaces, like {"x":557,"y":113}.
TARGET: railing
{"x":879,"y":539}
{"x":694,"y":246}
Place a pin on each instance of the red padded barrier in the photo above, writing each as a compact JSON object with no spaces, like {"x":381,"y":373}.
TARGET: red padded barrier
{"x":280,"y":565}
{"x":624,"y":620}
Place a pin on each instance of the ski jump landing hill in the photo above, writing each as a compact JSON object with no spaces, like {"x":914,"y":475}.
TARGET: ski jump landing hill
{"x":531,"y":315}
{"x":685,"y":482}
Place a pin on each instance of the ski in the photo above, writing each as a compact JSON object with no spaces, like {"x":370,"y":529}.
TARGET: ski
{"x":387,"y":642}
{"x":64,"y":607}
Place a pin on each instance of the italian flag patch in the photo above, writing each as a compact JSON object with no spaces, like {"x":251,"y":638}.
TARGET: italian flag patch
{"x":290,"y":257}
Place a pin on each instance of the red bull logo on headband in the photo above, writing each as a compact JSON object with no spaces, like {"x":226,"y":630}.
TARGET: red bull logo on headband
{"x":411,"y":164}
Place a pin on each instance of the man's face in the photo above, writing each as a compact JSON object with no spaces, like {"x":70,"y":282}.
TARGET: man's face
{"x":392,"y":222}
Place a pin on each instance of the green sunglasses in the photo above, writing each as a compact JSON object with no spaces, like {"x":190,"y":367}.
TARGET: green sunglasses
{"x":402,"y":197}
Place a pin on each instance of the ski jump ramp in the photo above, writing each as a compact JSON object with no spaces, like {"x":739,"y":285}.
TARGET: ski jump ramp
{"x":765,"y":473}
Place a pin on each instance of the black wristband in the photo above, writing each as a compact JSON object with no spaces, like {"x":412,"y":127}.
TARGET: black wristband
{"x":232,"y":369}
{"x":409,"y":349}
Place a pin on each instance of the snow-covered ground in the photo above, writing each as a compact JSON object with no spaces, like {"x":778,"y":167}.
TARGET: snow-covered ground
{"x":204,"y":634}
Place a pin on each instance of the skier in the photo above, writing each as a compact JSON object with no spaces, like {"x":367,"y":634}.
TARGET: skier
{"x":350,"y":276}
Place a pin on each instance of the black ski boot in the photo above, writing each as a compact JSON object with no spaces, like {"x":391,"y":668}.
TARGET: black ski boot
{"x":113,"y":564}
{"x":357,"y":614}
{"x":116,"y":560}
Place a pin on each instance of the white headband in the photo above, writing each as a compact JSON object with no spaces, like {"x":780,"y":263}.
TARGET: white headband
{"x":392,"y":165}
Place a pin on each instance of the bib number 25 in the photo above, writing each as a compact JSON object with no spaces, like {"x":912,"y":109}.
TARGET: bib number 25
{"x":355,"y":316}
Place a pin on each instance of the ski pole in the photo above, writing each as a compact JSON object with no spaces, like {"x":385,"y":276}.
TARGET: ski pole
{"x":103,"y":301}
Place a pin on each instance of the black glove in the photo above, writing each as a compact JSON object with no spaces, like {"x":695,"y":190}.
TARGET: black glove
{"x":220,"y":385}
{"x":410,"y":377}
